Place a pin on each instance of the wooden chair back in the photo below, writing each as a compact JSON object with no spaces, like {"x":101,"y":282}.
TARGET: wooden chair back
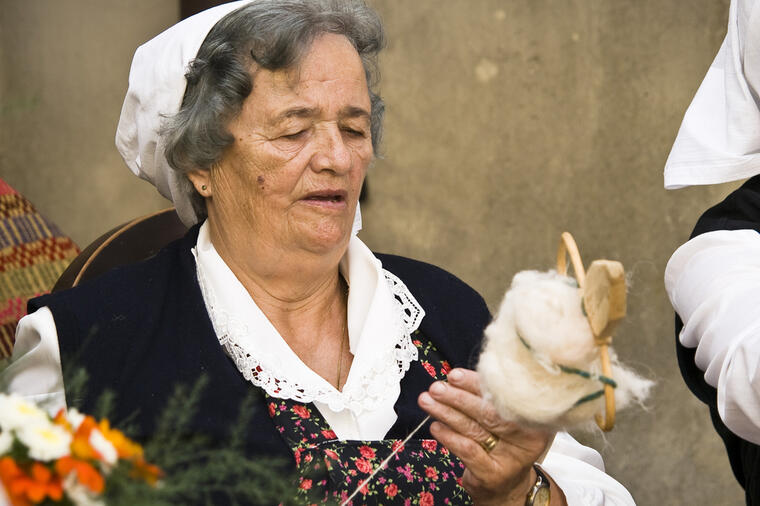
{"x":131,"y":242}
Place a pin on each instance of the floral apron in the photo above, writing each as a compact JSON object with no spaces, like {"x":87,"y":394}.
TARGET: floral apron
{"x":422,"y":472}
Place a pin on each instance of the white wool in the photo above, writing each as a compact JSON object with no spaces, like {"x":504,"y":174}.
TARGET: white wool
{"x":525,"y":383}
{"x":547,"y":307}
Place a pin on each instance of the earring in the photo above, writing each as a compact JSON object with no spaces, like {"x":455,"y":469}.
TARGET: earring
{"x":203,"y":187}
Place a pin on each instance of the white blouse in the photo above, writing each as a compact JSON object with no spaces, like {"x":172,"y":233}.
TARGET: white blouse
{"x":713,"y":282}
{"x":382,"y":314}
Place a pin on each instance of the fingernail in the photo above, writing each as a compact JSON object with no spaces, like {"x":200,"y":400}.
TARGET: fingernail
{"x":438,"y":387}
{"x":426,"y":399}
{"x":455,"y":375}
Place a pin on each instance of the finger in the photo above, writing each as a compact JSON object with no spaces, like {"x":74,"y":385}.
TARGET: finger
{"x":513,"y":439}
{"x":472,"y":455}
{"x":471,"y":405}
{"x":465,"y":379}
{"x":496,"y":470}
{"x":449,"y":415}
{"x":476,"y":419}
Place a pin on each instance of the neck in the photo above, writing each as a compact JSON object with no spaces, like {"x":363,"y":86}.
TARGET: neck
{"x":302,"y":294}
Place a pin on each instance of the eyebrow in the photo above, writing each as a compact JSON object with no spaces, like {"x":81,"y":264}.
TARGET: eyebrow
{"x":310,"y":112}
{"x":354,"y":112}
{"x":297,"y":112}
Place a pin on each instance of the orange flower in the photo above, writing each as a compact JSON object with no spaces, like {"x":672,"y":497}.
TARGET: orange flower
{"x":60,"y":419}
{"x":86,"y":474}
{"x":80,"y":446}
{"x":145,"y":471}
{"x":128,"y":449}
{"x":125,"y":447}
{"x":8,"y":469}
{"x":9,"y":474}
{"x":24,"y":488}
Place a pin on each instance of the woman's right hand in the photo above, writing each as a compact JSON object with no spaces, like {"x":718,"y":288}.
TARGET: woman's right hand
{"x":464,"y":423}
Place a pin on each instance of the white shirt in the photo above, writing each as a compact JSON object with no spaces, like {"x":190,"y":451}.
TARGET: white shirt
{"x":376,"y":324}
{"x":713,"y":282}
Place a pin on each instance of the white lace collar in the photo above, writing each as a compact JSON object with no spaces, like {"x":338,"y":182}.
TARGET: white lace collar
{"x":382,"y":314}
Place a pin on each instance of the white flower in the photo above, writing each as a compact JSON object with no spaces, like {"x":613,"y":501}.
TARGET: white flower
{"x":104,"y":447}
{"x":78,"y":493}
{"x":16,"y":412}
{"x":6,"y":441}
{"x":75,"y":418}
{"x":45,"y":442}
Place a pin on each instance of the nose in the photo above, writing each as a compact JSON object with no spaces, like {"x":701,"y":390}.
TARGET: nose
{"x":331,"y":152}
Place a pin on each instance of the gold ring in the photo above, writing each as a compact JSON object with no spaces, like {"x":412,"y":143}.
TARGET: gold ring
{"x":490,"y":443}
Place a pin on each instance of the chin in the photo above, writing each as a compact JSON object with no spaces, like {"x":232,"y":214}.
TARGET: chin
{"x":325,"y":239}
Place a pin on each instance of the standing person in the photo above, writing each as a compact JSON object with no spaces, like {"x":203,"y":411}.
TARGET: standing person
{"x":713,"y":280}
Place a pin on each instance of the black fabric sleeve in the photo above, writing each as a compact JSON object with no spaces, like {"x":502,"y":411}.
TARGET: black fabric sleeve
{"x":739,"y":211}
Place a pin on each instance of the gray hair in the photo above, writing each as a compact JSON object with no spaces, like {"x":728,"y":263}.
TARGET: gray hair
{"x":273,"y":34}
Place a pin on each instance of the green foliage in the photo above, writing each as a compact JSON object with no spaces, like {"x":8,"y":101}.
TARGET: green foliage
{"x":105,"y":405}
{"x":75,"y":384}
{"x":197,"y":471}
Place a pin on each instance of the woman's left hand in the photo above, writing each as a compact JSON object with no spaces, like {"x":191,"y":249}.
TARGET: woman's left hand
{"x":464,"y":423}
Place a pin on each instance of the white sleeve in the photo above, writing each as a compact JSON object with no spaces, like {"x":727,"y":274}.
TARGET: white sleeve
{"x":713,"y":282}
{"x":35,"y":367}
{"x":579,"y":471}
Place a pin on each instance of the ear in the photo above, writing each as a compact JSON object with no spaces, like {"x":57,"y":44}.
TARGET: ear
{"x":201,"y":181}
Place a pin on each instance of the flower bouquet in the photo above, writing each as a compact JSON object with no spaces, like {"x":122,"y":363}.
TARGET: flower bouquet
{"x":74,"y":460}
{"x":69,"y":459}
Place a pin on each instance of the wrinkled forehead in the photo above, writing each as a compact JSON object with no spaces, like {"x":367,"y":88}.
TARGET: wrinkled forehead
{"x":328,"y":81}
{"x":328,"y":57}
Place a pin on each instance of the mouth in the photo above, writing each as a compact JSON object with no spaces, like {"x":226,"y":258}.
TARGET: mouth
{"x":327,"y":198}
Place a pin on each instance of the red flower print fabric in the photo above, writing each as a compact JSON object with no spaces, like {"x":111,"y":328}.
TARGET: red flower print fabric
{"x":423,"y":472}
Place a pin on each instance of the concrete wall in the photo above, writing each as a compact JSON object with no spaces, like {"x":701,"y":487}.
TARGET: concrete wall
{"x":63,"y":69}
{"x":508,"y":122}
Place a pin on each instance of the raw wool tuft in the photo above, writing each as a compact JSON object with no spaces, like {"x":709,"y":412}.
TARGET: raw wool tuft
{"x":540,"y":326}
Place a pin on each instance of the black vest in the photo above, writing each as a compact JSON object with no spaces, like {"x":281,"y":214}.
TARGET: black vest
{"x":740,"y":210}
{"x":143,"y":329}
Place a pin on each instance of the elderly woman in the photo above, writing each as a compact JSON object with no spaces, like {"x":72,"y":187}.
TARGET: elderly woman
{"x":262,"y":142}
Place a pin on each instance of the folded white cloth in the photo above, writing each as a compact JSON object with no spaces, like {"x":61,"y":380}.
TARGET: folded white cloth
{"x":713,"y":282}
{"x":719,"y":139}
{"x":156,"y":87}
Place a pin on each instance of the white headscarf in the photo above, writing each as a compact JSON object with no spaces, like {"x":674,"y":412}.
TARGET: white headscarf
{"x":156,"y":87}
{"x":719,"y":139}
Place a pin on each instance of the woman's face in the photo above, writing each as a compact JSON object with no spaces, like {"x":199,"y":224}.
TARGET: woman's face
{"x":302,"y":145}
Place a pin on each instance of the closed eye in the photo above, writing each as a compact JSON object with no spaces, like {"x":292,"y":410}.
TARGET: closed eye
{"x":294,"y":136}
{"x":354,"y":133}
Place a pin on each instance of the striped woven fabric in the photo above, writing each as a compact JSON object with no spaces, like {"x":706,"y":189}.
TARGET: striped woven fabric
{"x":33,"y":253}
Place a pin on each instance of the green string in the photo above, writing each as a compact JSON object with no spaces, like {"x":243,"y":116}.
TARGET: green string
{"x":588,"y":375}
{"x":589,"y":397}
{"x":580,"y":372}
